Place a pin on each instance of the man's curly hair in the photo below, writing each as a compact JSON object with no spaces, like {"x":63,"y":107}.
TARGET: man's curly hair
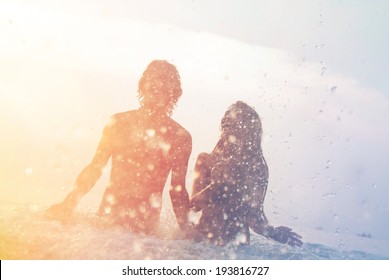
{"x":167,"y":75}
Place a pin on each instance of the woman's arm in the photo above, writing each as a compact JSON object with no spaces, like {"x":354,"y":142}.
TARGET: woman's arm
{"x":203,"y":198}
{"x":202,"y":179}
{"x":202,"y":172}
{"x":259,"y":224}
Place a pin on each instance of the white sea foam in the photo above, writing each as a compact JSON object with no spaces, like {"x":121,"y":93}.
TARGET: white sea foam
{"x":27,"y":234}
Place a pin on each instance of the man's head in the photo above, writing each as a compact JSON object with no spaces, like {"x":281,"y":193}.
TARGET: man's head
{"x":160,"y":87}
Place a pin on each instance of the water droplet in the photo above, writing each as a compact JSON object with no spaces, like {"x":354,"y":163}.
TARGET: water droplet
{"x":231,"y":139}
{"x":137,"y":247}
{"x":150,"y":167}
{"x":193,"y":217}
{"x":34,"y":207}
{"x":142,"y":209}
{"x":155,"y":201}
{"x":164,"y":146}
{"x":150,"y":133}
{"x":329,"y":195}
{"x":132,"y":213}
{"x":107,"y":210}
{"x":28,"y":171}
{"x":241,"y":238}
{"x":120,"y":157}
{"x":111,"y":199}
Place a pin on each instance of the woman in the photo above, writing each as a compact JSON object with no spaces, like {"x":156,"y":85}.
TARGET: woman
{"x":230,"y":183}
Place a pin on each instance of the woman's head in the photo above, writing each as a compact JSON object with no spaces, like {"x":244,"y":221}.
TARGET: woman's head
{"x":240,"y":145}
{"x":241,"y":130}
{"x":160,"y":87}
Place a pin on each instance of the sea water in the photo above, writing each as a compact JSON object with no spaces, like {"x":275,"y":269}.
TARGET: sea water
{"x":25,"y":233}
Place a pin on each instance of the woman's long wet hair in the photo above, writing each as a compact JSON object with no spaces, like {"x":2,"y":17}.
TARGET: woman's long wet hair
{"x":243,"y":122}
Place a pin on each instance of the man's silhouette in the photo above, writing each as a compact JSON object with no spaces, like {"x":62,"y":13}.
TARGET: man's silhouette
{"x":145,"y":145}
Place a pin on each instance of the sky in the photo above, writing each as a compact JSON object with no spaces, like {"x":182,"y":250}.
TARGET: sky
{"x":314,"y":71}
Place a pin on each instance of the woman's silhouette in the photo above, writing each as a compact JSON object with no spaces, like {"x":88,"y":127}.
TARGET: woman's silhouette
{"x":230,"y":183}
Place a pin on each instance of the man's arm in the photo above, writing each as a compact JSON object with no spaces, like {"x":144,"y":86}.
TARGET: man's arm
{"x":86,"y":179}
{"x":178,"y":193}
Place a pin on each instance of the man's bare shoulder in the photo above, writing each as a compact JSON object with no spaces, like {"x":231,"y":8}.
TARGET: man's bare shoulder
{"x":181,"y":142}
{"x":126,"y":114}
{"x":178,"y":130}
{"x":123,"y":117}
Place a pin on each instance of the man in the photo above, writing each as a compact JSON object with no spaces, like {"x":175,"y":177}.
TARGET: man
{"x":145,"y":145}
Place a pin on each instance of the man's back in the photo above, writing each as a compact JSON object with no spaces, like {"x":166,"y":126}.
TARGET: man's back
{"x":144,"y":149}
